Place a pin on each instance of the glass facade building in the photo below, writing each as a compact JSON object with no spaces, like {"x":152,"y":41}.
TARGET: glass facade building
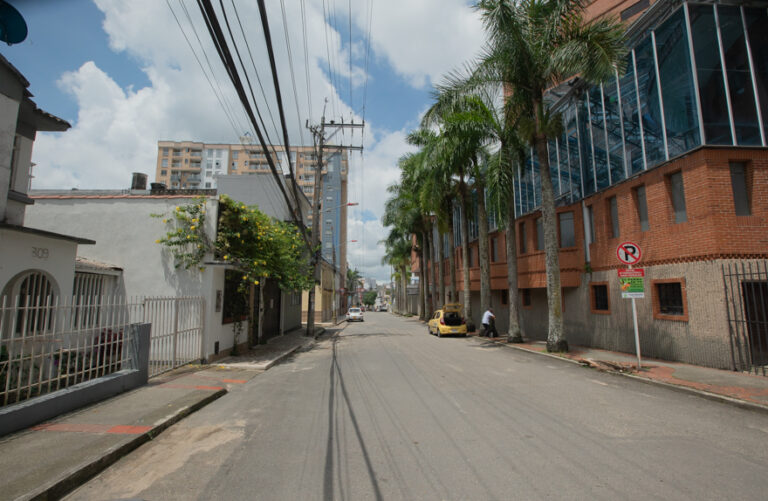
{"x":699,"y":77}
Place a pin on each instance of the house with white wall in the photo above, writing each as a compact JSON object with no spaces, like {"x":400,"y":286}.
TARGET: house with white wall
{"x":36,"y":263}
{"x":125,"y":234}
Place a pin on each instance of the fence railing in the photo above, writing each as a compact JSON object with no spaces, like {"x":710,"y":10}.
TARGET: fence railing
{"x":177,"y":331}
{"x":48,"y":344}
{"x":746,"y":294}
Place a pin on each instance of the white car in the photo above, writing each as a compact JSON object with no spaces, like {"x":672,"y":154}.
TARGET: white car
{"x":355,"y":314}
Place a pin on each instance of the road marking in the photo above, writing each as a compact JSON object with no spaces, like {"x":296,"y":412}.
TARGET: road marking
{"x":121,"y":429}
{"x":599,"y":382}
{"x":190,"y":386}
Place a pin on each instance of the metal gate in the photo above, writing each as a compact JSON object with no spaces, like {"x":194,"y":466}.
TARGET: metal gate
{"x":177,"y":331}
{"x":746,"y":297}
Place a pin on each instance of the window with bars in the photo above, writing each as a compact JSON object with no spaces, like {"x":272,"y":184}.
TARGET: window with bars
{"x":669,"y":299}
{"x":600,"y":302}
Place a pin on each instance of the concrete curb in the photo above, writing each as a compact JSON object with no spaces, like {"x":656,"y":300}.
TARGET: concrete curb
{"x":80,"y":474}
{"x":683,"y":389}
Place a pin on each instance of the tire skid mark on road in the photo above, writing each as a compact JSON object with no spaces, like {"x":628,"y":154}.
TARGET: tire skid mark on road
{"x":557,"y":433}
{"x":561,"y":437}
{"x":430,"y":474}
{"x":374,"y":388}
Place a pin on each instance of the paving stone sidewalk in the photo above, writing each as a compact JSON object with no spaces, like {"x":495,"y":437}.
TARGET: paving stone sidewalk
{"x":743,"y":389}
{"x":53,"y":458}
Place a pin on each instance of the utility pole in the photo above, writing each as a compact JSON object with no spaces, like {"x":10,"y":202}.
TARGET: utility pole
{"x":318,"y":133}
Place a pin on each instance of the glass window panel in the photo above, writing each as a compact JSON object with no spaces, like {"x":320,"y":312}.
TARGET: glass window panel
{"x":650,"y":109}
{"x":591,"y":218}
{"x":565,"y":174}
{"x":739,"y":185}
{"x":587,"y":169}
{"x":553,"y":167}
{"x":642,"y":208}
{"x":677,"y":85}
{"x":567,"y":234}
{"x":572,"y":149}
{"x":598,"y":137}
{"x":678,"y":197}
{"x":739,"y":78}
{"x":613,"y":126}
{"x":714,"y":108}
{"x":757,"y":27}
{"x":522,"y":238}
{"x":632,"y":137}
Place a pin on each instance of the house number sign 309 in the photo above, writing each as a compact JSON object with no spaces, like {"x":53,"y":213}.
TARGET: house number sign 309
{"x":40,"y":252}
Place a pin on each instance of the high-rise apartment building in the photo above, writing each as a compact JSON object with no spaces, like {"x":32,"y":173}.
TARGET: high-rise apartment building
{"x":195,"y":165}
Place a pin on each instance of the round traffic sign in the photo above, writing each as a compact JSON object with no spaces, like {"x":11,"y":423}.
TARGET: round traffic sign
{"x":628,"y":253}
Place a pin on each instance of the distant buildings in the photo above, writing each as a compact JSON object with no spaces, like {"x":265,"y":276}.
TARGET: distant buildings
{"x":194,"y":165}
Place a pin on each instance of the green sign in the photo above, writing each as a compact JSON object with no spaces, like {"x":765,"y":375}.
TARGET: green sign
{"x":632,"y":287}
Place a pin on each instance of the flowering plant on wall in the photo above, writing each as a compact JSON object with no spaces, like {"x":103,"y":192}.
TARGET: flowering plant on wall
{"x":251,"y":241}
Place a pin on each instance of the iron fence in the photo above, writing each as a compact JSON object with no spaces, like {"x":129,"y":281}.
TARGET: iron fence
{"x":746,"y":294}
{"x":48,"y":344}
{"x":177,"y":331}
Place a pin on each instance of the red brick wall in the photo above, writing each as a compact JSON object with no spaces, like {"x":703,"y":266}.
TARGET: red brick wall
{"x":712,"y":230}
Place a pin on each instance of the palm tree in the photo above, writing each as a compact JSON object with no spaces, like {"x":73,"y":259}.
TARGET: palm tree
{"x":353,"y":277}
{"x":447,"y":158}
{"x":398,"y":254}
{"x":534,"y":45}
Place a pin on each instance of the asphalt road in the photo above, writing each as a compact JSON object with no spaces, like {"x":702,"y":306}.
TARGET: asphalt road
{"x":385,"y":411}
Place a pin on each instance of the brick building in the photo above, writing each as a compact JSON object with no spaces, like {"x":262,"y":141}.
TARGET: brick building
{"x":669,"y":154}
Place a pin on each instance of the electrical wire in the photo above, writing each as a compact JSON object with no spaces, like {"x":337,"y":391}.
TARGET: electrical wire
{"x":306,"y":58}
{"x":214,"y":29}
{"x":290,"y":65}
{"x":219,"y":94}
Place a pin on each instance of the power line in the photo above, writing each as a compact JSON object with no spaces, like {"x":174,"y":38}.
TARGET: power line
{"x":306,"y":57}
{"x":214,"y":29}
{"x":255,"y":71}
{"x":278,"y":95}
{"x":293,"y":76}
{"x":219,"y":95}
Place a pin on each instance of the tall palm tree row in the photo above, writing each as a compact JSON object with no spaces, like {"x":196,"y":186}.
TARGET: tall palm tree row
{"x":471,"y":140}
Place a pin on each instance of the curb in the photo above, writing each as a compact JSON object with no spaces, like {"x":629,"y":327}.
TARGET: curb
{"x":80,"y":474}
{"x":683,"y":389}
{"x":288,"y":353}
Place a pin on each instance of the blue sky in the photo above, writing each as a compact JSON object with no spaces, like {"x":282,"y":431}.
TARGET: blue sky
{"x":122,"y":74}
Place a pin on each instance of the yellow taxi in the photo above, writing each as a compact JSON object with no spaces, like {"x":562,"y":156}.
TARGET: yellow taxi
{"x":448,"y":320}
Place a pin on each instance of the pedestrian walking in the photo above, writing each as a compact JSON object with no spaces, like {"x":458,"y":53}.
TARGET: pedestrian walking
{"x":489,"y":320}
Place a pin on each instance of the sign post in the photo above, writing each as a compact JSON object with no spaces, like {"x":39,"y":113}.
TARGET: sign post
{"x":631,"y":282}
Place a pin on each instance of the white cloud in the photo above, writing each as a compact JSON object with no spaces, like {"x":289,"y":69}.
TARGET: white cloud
{"x":117,"y":129}
{"x":424,"y":39}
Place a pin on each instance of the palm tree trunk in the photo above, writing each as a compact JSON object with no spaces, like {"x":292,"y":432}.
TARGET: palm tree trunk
{"x":556,"y":341}
{"x":432,"y":271}
{"x":514,"y":334}
{"x":440,"y":270}
{"x":485,"y":264}
{"x":465,"y":256}
{"x":422,"y":297}
{"x":428,"y":289}
{"x":404,"y":280}
{"x":452,"y":266}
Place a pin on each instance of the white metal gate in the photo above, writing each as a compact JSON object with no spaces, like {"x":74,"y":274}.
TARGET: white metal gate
{"x":177,"y":331}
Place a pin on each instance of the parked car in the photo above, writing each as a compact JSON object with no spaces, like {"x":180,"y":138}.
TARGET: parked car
{"x":355,"y":314}
{"x":448,"y":320}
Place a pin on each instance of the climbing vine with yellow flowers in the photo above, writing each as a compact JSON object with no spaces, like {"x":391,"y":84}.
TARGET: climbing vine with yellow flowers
{"x":252,"y":242}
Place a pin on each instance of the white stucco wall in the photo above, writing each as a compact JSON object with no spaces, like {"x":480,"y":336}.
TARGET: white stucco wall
{"x":125,"y":236}
{"x":23,"y":252}
{"x":9,"y":113}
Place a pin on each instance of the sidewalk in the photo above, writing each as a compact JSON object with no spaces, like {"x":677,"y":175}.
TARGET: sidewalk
{"x":741,"y":389}
{"x":53,"y":458}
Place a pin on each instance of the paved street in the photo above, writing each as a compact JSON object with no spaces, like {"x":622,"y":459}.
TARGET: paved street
{"x":385,"y":411}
